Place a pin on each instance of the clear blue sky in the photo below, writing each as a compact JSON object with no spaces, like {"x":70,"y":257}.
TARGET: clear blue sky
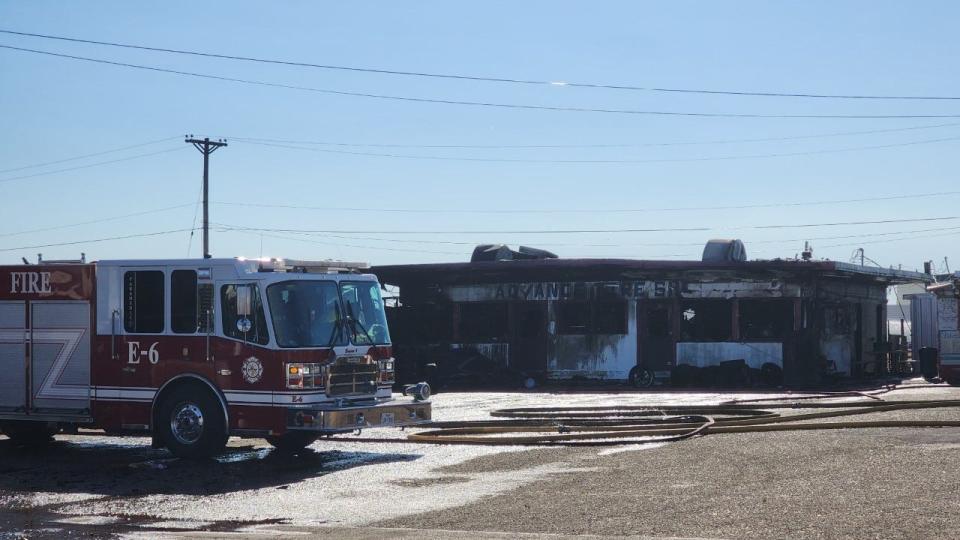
{"x":55,"y":108}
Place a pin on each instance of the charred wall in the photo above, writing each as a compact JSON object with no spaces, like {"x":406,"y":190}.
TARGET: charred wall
{"x":803,"y":326}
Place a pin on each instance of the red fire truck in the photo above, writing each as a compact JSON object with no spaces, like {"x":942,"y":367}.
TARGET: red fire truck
{"x":194,"y":351}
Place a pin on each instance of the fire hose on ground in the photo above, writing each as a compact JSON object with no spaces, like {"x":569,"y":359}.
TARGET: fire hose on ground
{"x":592,"y":426}
{"x":646,"y":424}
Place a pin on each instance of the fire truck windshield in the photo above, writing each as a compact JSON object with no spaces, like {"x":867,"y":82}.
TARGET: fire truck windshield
{"x":307,"y":314}
{"x":366,"y":320}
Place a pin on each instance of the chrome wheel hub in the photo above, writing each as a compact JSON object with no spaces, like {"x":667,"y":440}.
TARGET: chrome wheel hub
{"x":186,"y":423}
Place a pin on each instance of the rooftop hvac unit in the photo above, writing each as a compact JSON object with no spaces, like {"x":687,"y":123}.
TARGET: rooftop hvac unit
{"x":501,"y":252}
{"x":724,"y":251}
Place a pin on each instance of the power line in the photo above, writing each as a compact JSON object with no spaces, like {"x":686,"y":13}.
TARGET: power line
{"x":842,"y":223}
{"x":594,"y":146}
{"x":532,"y":146}
{"x":394,"y":249}
{"x":138,"y":156}
{"x":868,"y":235}
{"x":686,"y":143}
{"x":892,"y":239}
{"x":418,"y":241}
{"x":96,"y":240}
{"x":516,"y":106}
{"x":611,"y":161}
{"x":631,"y":244}
{"x":252,"y":231}
{"x":659,"y":244}
{"x":478,"y":78}
{"x":594,"y":231}
{"x":92,"y":221}
{"x":308,"y":241}
{"x":585,"y":211}
{"x":35,"y":165}
{"x":571,"y":231}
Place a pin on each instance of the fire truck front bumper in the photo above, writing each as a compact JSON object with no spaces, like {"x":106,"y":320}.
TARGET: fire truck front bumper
{"x":349,"y":418}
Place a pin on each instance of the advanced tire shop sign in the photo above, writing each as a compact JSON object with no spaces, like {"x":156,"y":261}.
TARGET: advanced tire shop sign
{"x":557,"y":290}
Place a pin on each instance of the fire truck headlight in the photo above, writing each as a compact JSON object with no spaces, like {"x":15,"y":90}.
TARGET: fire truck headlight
{"x":386,"y":374}
{"x":301,"y":376}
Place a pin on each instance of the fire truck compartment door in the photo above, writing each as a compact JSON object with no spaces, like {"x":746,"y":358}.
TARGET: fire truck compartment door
{"x":60,"y":356}
{"x":13,"y":357}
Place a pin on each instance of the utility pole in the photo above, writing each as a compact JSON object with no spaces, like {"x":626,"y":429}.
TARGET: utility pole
{"x":206,"y":147}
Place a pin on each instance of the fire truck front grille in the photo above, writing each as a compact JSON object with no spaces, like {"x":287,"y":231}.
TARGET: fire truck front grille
{"x":348,"y":378}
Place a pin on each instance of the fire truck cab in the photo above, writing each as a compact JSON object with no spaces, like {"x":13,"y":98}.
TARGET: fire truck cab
{"x":194,"y":351}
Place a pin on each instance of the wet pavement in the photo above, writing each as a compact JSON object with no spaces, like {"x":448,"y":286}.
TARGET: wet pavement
{"x":94,"y":485}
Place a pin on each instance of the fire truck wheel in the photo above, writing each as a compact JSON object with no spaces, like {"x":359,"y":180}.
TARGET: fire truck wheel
{"x":293,"y":441}
{"x":191,"y":423}
{"x":28,"y":433}
{"x":641,"y":377}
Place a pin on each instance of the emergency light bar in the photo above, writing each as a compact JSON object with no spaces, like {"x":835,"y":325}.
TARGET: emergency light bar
{"x":311,"y":267}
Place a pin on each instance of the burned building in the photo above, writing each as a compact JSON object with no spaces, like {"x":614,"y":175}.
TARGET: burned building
{"x":533,"y":316}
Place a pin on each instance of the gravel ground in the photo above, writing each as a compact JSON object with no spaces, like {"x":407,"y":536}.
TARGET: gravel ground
{"x":878,"y":483}
{"x":830,"y":484}
{"x":875,"y":483}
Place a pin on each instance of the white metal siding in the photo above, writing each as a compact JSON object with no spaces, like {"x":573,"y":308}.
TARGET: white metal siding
{"x":923,"y":323}
{"x":60,"y":371}
{"x":13,"y":356}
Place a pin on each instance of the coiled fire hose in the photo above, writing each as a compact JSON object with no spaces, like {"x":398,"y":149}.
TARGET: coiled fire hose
{"x":616,"y":425}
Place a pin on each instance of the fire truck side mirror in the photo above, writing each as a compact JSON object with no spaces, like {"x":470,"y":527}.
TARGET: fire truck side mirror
{"x":244,"y":300}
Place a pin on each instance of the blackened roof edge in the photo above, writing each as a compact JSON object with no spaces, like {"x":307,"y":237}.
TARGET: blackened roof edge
{"x":548,"y":268}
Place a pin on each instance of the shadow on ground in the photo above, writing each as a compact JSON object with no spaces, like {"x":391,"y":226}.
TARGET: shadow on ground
{"x":99,"y":467}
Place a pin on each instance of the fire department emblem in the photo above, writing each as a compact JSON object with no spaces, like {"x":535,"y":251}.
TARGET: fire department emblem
{"x":252,"y":370}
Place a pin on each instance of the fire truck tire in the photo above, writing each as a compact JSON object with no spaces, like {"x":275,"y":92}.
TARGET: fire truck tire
{"x":191,"y":423}
{"x":293,"y":441}
{"x":28,"y":433}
